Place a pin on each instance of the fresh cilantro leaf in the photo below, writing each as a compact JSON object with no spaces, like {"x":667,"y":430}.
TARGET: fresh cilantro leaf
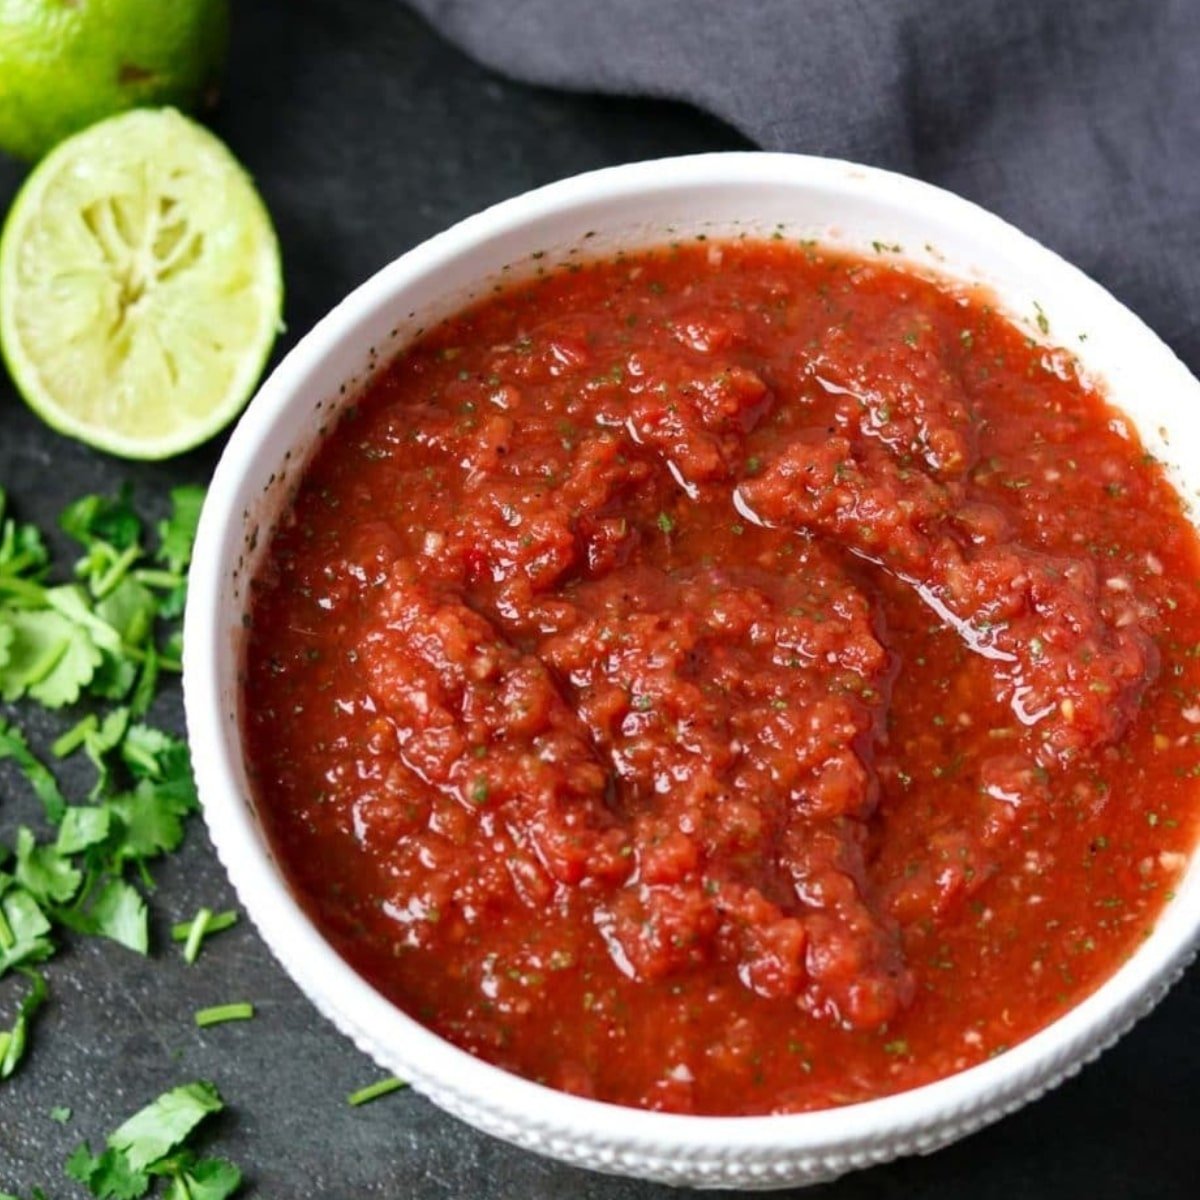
{"x":204,"y":1179}
{"x":83,"y":826}
{"x":80,"y":1163}
{"x":146,"y":751}
{"x":130,"y":609}
{"x":72,"y":602}
{"x":100,"y":739}
{"x":60,"y":1114}
{"x":97,"y":739}
{"x":13,"y":745}
{"x":152,"y":1133}
{"x":172,"y":649}
{"x":114,"y":677}
{"x":173,"y":603}
{"x":108,"y":519}
{"x":22,"y":550}
{"x":108,"y":1176}
{"x":163,"y":767}
{"x":44,"y":872}
{"x":107,"y":736}
{"x":23,"y":929}
{"x":13,"y":1042}
{"x":177,"y":534}
{"x":119,"y":913}
{"x":49,"y":657}
{"x":110,"y":532}
{"x":115,"y":671}
{"x":150,"y":822}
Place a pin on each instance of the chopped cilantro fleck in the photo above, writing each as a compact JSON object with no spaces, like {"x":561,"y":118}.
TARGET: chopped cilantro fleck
{"x":374,"y":1091}
{"x":219,"y":1014}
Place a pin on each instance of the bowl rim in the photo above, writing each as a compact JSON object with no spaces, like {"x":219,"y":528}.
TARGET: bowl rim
{"x":514,"y":1107}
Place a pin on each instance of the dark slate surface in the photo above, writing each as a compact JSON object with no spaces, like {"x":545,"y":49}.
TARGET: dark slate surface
{"x":367,"y":134}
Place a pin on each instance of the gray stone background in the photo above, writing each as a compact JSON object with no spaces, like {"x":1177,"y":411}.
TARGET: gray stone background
{"x":367,"y":133}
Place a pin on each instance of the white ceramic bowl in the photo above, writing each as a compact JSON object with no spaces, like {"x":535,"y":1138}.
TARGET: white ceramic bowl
{"x":720,"y":194}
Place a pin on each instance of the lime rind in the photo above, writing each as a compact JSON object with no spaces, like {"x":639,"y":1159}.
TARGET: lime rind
{"x":140,"y":286}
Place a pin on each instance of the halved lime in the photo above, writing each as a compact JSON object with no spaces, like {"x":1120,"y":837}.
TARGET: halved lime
{"x":140,"y":286}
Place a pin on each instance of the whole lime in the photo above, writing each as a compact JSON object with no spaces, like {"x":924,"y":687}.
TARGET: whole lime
{"x":67,"y":63}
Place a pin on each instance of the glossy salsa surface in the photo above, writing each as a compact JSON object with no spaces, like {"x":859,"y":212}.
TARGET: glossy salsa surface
{"x":730,"y":678}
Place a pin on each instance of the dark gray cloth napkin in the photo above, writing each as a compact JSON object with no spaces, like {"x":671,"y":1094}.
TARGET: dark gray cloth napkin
{"x":1078,"y":120}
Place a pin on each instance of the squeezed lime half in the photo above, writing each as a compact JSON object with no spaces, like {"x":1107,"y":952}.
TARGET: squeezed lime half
{"x":140,"y":286}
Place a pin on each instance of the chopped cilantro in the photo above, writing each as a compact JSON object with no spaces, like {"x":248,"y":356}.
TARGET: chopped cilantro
{"x":23,"y":929}
{"x":13,"y":745}
{"x":12,"y":1042}
{"x":216,"y":923}
{"x":157,"y":1129}
{"x":60,"y":1114}
{"x":152,"y":1144}
{"x":1043,"y":322}
{"x":220,"y":1013}
{"x":94,"y":639}
{"x":665,"y":522}
{"x":373,"y":1091}
{"x":177,"y":534}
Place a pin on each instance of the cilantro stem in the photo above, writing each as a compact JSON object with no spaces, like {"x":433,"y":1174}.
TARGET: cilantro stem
{"x":167,"y":580}
{"x":116,"y":572}
{"x":220,"y":1013}
{"x":32,"y":594}
{"x":196,"y":935}
{"x":74,"y":737}
{"x":217,"y":923}
{"x":383,"y":1088}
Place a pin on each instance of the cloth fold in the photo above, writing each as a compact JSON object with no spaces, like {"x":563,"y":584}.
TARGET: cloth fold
{"x":1079,"y":122}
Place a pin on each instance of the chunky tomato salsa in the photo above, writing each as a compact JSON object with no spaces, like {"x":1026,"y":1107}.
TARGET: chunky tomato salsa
{"x":732,"y":678}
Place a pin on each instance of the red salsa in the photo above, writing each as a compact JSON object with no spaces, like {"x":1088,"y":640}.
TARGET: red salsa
{"x":731,"y":678}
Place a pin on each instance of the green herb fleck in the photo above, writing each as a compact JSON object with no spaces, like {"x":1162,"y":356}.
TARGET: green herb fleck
{"x":374,"y":1091}
{"x":220,"y":1013}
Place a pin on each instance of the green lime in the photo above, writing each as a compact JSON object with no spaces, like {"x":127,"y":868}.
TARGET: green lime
{"x":65,"y":64}
{"x":140,"y":286}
